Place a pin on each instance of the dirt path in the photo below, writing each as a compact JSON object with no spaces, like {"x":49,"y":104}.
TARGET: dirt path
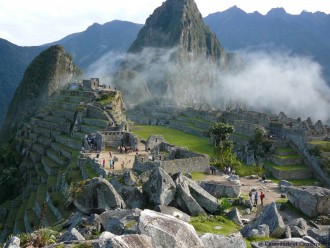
{"x":271,"y":190}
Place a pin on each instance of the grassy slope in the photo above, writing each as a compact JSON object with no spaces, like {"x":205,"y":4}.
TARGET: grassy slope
{"x":175,"y":137}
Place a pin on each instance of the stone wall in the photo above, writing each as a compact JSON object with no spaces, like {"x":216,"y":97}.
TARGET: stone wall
{"x":299,"y":143}
{"x":186,"y":165}
{"x":289,"y":175}
{"x":286,"y":161}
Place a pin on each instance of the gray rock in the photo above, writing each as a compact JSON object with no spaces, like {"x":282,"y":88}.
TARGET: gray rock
{"x":144,"y":177}
{"x":121,"y":221}
{"x":160,"y":188}
{"x":287,"y":233}
{"x":283,"y":184}
{"x":258,"y":232}
{"x":247,"y":211}
{"x":311,"y":241}
{"x":218,"y":241}
{"x":248,"y":203}
{"x":13,"y":242}
{"x":208,"y":202}
{"x":97,"y":196}
{"x":167,"y":231}
{"x":186,"y":202}
{"x":173,"y":212}
{"x":131,"y":195}
{"x":234,"y":216}
{"x":281,"y":243}
{"x":273,"y":219}
{"x":311,"y":200}
{"x":321,"y":235}
{"x":298,"y":227}
{"x":233,"y":178}
{"x":127,"y":241}
{"x":188,"y":175}
{"x":222,"y":189}
{"x":71,"y":235}
{"x":107,"y":235}
{"x":129,"y":178}
{"x":90,"y":225}
{"x":73,"y":221}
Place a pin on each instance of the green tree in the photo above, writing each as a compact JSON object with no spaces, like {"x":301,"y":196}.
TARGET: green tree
{"x":222,"y":146}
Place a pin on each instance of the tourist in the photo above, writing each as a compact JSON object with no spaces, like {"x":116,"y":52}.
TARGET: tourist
{"x":229,"y":170}
{"x":113,"y":164}
{"x":225,"y":170}
{"x":262,"y":196}
{"x":110,"y":163}
{"x":103,"y":163}
{"x":110,"y":153}
{"x":83,"y":149}
{"x":256,"y":198}
{"x":250,"y":195}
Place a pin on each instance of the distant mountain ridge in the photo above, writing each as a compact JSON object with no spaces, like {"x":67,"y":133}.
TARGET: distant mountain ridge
{"x":306,"y":34}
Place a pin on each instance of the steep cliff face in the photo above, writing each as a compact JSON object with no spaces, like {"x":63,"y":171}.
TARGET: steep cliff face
{"x":171,"y":56}
{"x":47,"y":73}
{"x":178,"y":23}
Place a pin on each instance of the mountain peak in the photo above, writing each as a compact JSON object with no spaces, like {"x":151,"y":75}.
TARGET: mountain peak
{"x":177,"y":23}
{"x":277,"y":12}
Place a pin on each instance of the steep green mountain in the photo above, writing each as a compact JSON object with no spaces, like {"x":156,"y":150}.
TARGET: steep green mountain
{"x":85,"y":47}
{"x":306,"y":34}
{"x":13,"y":62}
{"x":178,"y":23}
{"x":162,"y":62}
{"x":47,"y":73}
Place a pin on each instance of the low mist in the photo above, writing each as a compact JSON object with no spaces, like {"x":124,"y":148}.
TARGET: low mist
{"x":261,"y":81}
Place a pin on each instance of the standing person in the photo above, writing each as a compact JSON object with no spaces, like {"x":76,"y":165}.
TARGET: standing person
{"x":225,"y":170}
{"x":256,"y":198}
{"x":110,"y":163}
{"x":250,"y":195}
{"x":229,"y":170}
{"x":262,"y":196}
{"x":110,"y":153}
{"x":103,"y":163}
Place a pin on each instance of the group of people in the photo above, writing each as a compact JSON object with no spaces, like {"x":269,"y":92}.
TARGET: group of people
{"x":111,"y":164}
{"x":125,"y":149}
{"x":228,"y":170}
{"x":254,"y":197}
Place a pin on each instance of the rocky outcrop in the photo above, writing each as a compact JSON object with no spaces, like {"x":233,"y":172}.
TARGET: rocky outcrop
{"x":160,"y":188}
{"x":167,"y":231}
{"x":71,"y":235}
{"x":222,"y":189}
{"x":129,"y":241}
{"x":320,"y":234}
{"x":121,"y":221}
{"x":129,"y":178}
{"x":218,"y":241}
{"x":273,"y":220}
{"x":234,"y":216}
{"x":131,"y":195}
{"x":259,"y":232}
{"x":205,"y":200}
{"x":97,"y":195}
{"x":173,"y":212}
{"x":298,"y":227}
{"x":283,"y":184}
{"x":311,"y":200}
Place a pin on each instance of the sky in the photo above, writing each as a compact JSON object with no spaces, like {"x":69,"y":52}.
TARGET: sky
{"x":37,"y":22}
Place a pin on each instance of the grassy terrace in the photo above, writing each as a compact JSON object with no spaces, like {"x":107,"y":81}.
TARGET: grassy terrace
{"x":319,"y":142}
{"x":287,"y":167}
{"x":195,"y":119}
{"x":175,"y":137}
{"x":288,"y":156}
{"x":285,"y":149}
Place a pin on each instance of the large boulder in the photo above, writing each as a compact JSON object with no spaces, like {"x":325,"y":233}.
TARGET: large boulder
{"x":222,"y":189}
{"x":129,"y":178}
{"x":311,"y":200}
{"x":234,"y":216}
{"x":13,"y":242}
{"x":96,"y":196}
{"x":320,"y":234}
{"x":186,"y":202}
{"x":173,"y":212}
{"x":273,"y":219}
{"x":298,"y":227}
{"x":71,"y":235}
{"x":283,"y":184}
{"x":208,"y":202}
{"x":160,"y":188}
{"x":218,"y":241}
{"x":260,"y":231}
{"x":121,"y":221}
{"x":167,"y":231}
{"x":131,"y":195}
{"x":125,"y":241}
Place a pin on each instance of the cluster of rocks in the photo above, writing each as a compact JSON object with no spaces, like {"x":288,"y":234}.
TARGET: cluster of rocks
{"x":134,"y":228}
{"x":160,"y":188}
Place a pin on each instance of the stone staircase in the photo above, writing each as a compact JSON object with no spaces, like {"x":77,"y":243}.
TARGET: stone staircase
{"x":287,"y":164}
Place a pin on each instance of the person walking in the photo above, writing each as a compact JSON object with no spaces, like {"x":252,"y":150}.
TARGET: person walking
{"x":103,"y":163}
{"x":110,"y":163}
{"x":262,"y":196}
{"x":256,"y":198}
{"x":250,"y":195}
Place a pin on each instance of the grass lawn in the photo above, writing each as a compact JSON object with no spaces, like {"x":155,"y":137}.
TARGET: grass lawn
{"x":297,"y":182}
{"x":289,"y":156}
{"x":214,"y":224}
{"x":175,"y":137}
{"x":198,"y":176}
{"x":319,"y":142}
